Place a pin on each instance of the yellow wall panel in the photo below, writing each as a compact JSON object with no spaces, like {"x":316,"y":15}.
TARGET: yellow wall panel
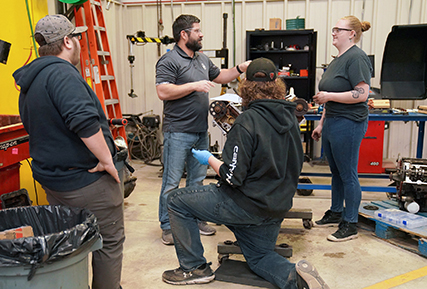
{"x":16,"y":29}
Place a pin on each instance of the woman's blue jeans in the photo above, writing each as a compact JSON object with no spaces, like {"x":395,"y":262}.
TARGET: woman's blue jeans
{"x":256,"y":236}
{"x":177,"y":156}
{"x":341,"y":139}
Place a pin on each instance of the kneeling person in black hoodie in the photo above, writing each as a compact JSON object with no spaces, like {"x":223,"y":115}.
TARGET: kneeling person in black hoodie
{"x":262,"y":161}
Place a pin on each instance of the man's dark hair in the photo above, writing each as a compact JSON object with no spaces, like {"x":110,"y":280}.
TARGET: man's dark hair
{"x":183,"y":22}
{"x":45,"y":49}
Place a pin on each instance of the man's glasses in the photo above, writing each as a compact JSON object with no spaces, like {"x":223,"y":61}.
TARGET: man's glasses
{"x":76,"y":35}
{"x":197,"y":31}
{"x":337,"y":30}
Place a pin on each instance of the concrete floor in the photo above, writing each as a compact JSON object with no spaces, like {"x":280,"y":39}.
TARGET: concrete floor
{"x":358,"y":263}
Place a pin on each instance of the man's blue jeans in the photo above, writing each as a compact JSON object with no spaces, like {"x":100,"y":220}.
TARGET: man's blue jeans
{"x":341,"y":139}
{"x":177,"y":156}
{"x":256,"y":236}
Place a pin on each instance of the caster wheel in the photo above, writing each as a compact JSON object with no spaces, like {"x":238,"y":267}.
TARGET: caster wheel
{"x":308,"y":224}
{"x":223,"y":257}
{"x":302,"y":192}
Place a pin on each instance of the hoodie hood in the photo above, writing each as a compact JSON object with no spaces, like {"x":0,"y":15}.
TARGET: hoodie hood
{"x":25,"y":75}
{"x":278,"y":112}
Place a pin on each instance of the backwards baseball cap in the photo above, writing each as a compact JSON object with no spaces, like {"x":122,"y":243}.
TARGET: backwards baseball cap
{"x":56,"y":27}
{"x":264,"y":66}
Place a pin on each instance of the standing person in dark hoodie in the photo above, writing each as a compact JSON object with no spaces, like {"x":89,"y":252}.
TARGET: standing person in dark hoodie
{"x":70,"y":141}
{"x":262,"y":162}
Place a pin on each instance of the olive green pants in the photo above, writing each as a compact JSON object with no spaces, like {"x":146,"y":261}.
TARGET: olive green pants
{"x":104,"y":198}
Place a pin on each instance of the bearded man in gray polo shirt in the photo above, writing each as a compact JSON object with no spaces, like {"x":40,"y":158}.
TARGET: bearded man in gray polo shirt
{"x":184,"y":77}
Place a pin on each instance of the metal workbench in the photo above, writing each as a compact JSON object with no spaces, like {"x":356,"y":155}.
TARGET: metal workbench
{"x":411,"y":116}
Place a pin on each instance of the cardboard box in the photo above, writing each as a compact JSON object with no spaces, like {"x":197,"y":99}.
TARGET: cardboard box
{"x":379,"y":103}
{"x":16,"y":233}
{"x":275,"y":24}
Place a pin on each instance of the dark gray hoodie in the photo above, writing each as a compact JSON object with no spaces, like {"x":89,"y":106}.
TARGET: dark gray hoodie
{"x":58,"y":108}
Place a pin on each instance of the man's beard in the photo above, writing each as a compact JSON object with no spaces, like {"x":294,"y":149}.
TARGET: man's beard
{"x":193,"y":45}
{"x":75,"y":57}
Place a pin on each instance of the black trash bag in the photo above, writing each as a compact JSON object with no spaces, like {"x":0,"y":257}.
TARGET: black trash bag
{"x":59,"y":232}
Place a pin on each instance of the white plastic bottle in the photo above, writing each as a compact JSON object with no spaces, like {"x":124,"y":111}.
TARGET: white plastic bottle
{"x":412,"y":207}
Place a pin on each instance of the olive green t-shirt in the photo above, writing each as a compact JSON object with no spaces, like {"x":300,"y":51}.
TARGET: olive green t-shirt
{"x":343,"y":74}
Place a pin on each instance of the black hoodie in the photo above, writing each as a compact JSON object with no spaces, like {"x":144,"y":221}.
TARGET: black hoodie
{"x":263,"y":158}
{"x":58,"y":108}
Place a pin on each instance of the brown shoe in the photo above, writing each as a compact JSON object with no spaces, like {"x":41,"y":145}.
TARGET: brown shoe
{"x":197,"y":276}
{"x":308,"y":277}
{"x":205,"y":229}
{"x":167,"y":237}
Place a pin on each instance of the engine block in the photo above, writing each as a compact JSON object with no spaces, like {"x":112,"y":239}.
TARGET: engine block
{"x":411,"y":182}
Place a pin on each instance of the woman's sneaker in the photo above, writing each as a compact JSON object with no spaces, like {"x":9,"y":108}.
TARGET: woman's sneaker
{"x":346,"y":231}
{"x":203,"y":274}
{"x":329,"y":219}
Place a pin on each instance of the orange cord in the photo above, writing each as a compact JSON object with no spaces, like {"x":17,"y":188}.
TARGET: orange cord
{"x":26,"y":62}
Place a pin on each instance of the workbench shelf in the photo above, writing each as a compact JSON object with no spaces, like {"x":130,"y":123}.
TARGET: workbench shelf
{"x":414,"y":240}
{"x":284,"y":47}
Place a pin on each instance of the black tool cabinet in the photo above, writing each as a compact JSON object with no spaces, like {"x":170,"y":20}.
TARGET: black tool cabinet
{"x":284,"y":47}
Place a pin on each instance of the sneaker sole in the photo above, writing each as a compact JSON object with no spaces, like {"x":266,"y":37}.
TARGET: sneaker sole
{"x":201,"y":280}
{"x":326,"y":225}
{"x":334,"y":239}
{"x":207,"y":233}
{"x":166,"y":242}
{"x":310,"y":275}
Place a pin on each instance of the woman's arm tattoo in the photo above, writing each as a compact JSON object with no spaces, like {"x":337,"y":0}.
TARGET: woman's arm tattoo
{"x":357,"y":92}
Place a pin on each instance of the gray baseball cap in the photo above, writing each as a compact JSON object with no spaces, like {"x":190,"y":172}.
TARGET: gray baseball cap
{"x":55,"y":27}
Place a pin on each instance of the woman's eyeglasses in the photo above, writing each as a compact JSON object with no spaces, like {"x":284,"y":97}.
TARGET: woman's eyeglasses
{"x":337,"y":30}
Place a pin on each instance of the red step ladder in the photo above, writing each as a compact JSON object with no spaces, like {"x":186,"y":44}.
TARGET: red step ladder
{"x":96,"y":62}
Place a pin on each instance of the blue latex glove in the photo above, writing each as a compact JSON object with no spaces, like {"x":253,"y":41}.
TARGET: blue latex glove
{"x":202,"y":156}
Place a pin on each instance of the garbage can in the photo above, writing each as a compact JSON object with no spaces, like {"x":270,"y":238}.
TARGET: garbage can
{"x":56,"y":256}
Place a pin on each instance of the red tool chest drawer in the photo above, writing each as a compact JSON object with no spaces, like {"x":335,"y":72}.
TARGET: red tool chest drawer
{"x":371,"y":149}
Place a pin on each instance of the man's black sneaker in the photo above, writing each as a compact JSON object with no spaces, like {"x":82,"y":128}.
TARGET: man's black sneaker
{"x":346,"y":231}
{"x":308,"y":277}
{"x":197,"y":276}
{"x":329,"y":219}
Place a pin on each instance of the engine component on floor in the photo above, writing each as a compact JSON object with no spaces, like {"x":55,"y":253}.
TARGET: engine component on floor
{"x":411,"y":183}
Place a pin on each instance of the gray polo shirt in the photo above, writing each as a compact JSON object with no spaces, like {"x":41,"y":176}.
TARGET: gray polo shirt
{"x":189,"y":113}
{"x":343,"y":74}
